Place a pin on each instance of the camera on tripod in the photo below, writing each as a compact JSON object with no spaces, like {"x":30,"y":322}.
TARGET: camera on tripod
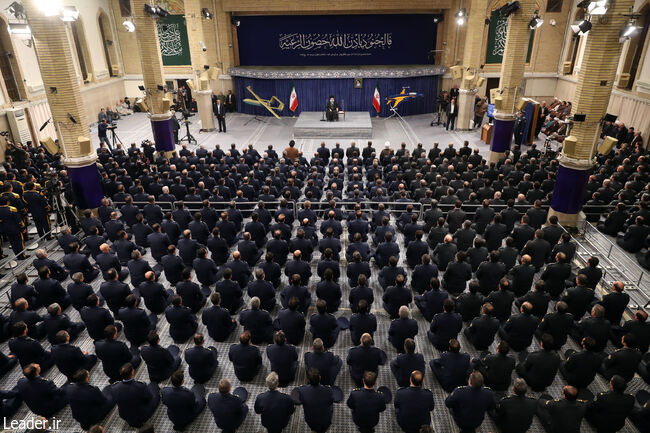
{"x":52,"y":183}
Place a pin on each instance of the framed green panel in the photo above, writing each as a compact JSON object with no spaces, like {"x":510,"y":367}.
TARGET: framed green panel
{"x":174,"y":46}
{"x":496,"y":44}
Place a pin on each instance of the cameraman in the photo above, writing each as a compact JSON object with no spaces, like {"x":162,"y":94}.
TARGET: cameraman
{"x":102,"y":129}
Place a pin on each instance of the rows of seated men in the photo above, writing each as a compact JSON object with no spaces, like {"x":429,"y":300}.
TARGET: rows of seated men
{"x":479,"y":283}
{"x":621,"y":181}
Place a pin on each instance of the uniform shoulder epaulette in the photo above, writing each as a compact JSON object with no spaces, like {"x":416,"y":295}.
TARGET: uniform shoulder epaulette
{"x":15,"y":195}
{"x":13,"y":209}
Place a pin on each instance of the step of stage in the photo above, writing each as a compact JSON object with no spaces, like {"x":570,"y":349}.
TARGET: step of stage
{"x":356,"y":124}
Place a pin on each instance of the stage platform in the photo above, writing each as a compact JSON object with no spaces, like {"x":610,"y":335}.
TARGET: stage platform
{"x":357,"y":124}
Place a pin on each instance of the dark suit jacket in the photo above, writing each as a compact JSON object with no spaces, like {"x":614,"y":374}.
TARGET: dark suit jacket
{"x":246,"y":360}
{"x":41,"y":395}
{"x":113,"y":354}
{"x":202,"y":363}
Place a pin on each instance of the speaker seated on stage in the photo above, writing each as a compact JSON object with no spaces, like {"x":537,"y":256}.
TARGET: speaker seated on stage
{"x":332,"y":110}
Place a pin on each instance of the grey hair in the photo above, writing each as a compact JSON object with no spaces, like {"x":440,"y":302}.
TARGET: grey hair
{"x":404,"y":312}
{"x":272,"y":381}
{"x":255,"y":303}
{"x":40,"y":253}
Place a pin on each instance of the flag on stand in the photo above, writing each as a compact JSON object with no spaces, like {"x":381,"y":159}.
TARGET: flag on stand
{"x":376,"y":99}
{"x":293,"y":99}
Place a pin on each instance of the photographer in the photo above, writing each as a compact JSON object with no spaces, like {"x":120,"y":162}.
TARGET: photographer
{"x":102,"y":129}
{"x":39,"y":208}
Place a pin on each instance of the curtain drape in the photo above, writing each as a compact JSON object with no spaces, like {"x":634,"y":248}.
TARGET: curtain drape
{"x":40,"y":113}
{"x":314,"y":93}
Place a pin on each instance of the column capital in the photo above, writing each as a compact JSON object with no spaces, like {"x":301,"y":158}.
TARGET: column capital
{"x":160,"y":116}
{"x":500,"y":115}
{"x":575,"y":163}
{"x":80,"y":161}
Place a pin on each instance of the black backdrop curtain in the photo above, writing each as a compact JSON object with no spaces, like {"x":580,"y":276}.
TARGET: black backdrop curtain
{"x":313,"y":94}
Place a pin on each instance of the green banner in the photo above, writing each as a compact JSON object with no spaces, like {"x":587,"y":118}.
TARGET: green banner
{"x":496,"y":43}
{"x":174,"y":47}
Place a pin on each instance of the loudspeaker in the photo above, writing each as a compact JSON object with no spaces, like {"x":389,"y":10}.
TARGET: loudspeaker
{"x":204,"y":84}
{"x":166,"y":103}
{"x":142,"y":106}
{"x":213,"y":73}
{"x":50,"y":145}
{"x":623,"y":80}
{"x":579,"y":117}
{"x":607,"y":145}
{"x":480,"y":81}
{"x":569,"y":145}
{"x":115,"y":70}
{"x":190,"y":84}
{"x":566,"y":68}
{"x":498,"y":103}
{"x":456,"y":72}
{"x":521,"y":104}
{"x":85,"y":146}
{"x":610,"y":118}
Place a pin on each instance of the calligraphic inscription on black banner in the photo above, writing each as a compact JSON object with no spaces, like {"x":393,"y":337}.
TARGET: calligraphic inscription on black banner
{"x":335,"y":39}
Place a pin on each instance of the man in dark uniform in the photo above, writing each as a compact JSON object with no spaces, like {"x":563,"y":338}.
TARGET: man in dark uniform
{"x":366,"y":404}
{"x":406,"y":363}
{"x":327,"y":364}
{"x":364,"y":357}
{"x":229,"y":410}
{"x":183,"y":405}
{"x":176,"y":126}
{"x":607,"y":413}
{"x":41,"y":396}
{"x":514,"y":414}
{"x":540,"y":367}
{"x":246,"y":358}
{"x":39,"y":208}
{"x":13,"y":226}
{"x":562,"y":416}
{"x":317,"y":401}
{"x":468,"y":404}
{"x":220,"y":112}
{"x":217,"y":319}
{"x":332,"y":110}
{"x":114,"y":354}
{"x":275,"y":407}
{"x":88,"y":403}
{"x":136,"y":401}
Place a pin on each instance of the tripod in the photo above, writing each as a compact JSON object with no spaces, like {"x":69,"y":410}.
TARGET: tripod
{"x":189,"y":137}
{"x":114,"y":137}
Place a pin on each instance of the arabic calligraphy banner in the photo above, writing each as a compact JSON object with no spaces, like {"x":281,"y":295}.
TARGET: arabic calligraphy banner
{"x":496,"y":43}
{"x":319,"y":40}
{"x":174,"y":46}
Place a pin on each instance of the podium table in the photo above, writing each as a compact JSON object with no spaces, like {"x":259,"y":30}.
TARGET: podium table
{"x":486,"y":133}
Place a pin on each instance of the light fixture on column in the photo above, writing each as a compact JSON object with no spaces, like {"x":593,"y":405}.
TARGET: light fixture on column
{"x":206,"y":14}
{"x":155,"y":11}
{"x":598,"y":7}
{"x":17,"y":10}
{"x":204,"y":48}
{"x":461,"y":17}
{"x":508,"y":9}
{"x":234,"y":21}
{"x":50,"y":8}
{"x":19,"y":29}
{"x":141,"y":88}
{"x":54,"y":90}
{"x":69,"y":14}
{"x":628,"y":31}
{"x":582,"y":28}
{"x":71,"y":118}
{"x":129,"y":26}
{"x":536,"y":21}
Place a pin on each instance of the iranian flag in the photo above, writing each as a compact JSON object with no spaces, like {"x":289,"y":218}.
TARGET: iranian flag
{"x":376,"y":99}
{"x":293,"y":99}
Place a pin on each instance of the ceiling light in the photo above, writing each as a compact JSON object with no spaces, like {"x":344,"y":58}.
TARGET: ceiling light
{"x":598,"y":7}
{"x":151,"y":10}
{"x":628,"y":31}
{"x":49,"y":8}
{"x":206,"y":14}
{"x":19,"y":29}
{"x":461,"y":17}
{"x":69,"y":14}
{"x":535,"y":22}
{"x":129,"y":26}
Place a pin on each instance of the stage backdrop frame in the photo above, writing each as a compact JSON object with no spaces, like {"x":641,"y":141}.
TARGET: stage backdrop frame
{"x":328,"y":40}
